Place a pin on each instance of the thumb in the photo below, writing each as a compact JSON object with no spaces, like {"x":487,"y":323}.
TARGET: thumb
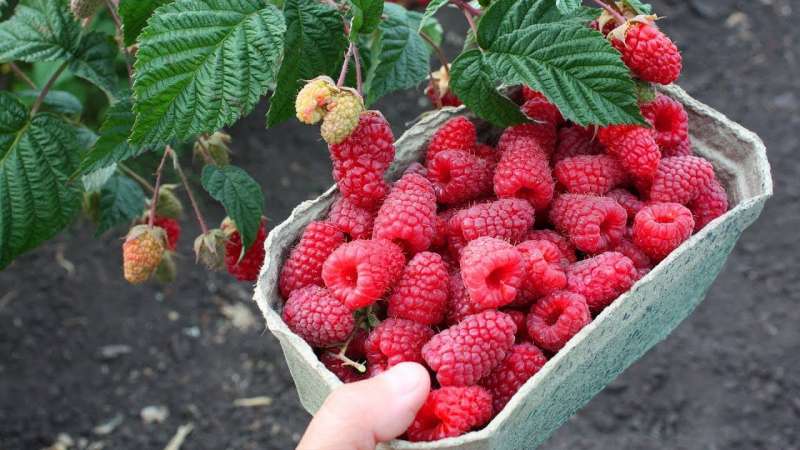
{"x":360,"y":415}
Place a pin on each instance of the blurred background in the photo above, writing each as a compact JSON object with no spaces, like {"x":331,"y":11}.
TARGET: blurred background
{"x":90,"y":362}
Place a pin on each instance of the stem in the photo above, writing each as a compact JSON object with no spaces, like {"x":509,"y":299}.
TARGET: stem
{"x":347,"y":361}
{"x":136,"y":177}
{"x":439,"y":53}
{"x":345,"y":66}
{"x":611,"y":10}
{"x":21,"y":75}
{"x":120,"y":39}
{"x":464,"y":5}
{"x":154,"y":202}
{"x":197,"y":214}
{"x":357,"y":62}
{"x":470,"y":21}
{"x":38,"y":103}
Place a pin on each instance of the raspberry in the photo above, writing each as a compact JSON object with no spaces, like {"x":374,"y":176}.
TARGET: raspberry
{"x":544,"y":135}
{"x":343,"y":371}
{"x":576,"y":141}
{"x":246,"y":268}
{"x":563,"y":244}
{"x":351,"y":219}
{"x":459,"y":305}
{"x":682,"y":149}
{"x":660,"y":228}
{"x":421,"y":293}
{"x":310,"y":104}
{"x":486,"y":152}
{"x":408,"y":216}
{"x":639,"y":258}
{"x":669,"y":119}
{"x":438,"y":90}
{"x":215,"y":146}
{"x":540,"y":110}
{"x":635,"y":148}
{"x":458,"y":176}
{"x":593,"y":224}
{"x":364,"y":187}
{"x":303,"y":267}
{"x":519,"y":321}
{"x":316,"y":316}
{"x":709,"y":204}
{"x":554,"y":319}
{"x":168,"y":204}
{"x":172,"y":228}
{"x":492,"y":270}
{"x":395,"y":341}
{"x":440,"y":237}
{"x":593,"y":174}
{"x":521,"y":363}
{"x":524,"y":172}
{"x":507,"y":219}
{"x":450,"y":412}
{"x":142,"y":252}
{"x":681,"y":179}
{"x":601,"y":279}
{"x":468,"y":351}
{"x":344,"y":110}
{"x":209,"y":249}
{"x":83,"y":9}
{"x":416,"y":168}
{"x":545,"y":270}
{"x":627,"y":200}
{"x":650,"y":54}
{"x":457,"y":133}
{"x":358,"y":273}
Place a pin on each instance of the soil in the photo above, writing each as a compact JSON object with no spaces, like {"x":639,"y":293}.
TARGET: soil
{"x":79,"y":348}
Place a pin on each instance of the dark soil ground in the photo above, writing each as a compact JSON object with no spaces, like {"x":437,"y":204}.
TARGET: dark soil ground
{"x":79,"y":348}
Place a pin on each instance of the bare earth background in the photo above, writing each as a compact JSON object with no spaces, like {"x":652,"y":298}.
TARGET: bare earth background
{"x":80,"y":349}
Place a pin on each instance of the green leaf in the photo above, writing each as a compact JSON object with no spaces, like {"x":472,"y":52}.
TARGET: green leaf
{"x":36,"y":158}
{"x":568,"y":6}
{"x":366,"y":15}
{"x":94,"y":62}
{"x":121,"y":200}
{"x":400,"y":57}
{"x":94,"y":181}
{"x":638,"y":6}
{"x":239,"y":194}
{"x":62,"y":102}
{"x":202,"y":64}
{"x":315,"y":45}
{"x":433,"y":29}
{"x":134,"y":15}
{"x":431,"y":9}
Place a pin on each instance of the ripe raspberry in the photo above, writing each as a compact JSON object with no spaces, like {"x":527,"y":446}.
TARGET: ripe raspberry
{"x":344,"y":110}
{"x":438,"y":90}
{"x":343,"y":371}
{"x":310,"y":104}
{"x":421,"y":293}
{"x":627,"y":200}
{"x":594,"y":174}
{"x":173,"y":229}
{"x":634,"y":147}
{"x":709,"y":204}
{"x":358,"y":273}
{"x":492,"y":270}
{"x":351,"y":219}
{"x":457,"y":133}
{"x":364,"y":187}
{"x":540,"y":110}
{"x":408,"y":216}
{"x":660,"y":228}
{"x":303,"y":267}
{"x":593,"y":224}
{"x":83,"y":9}
{"x":563,"y":243}
{"x":639,"y":258}
{"x":650,"y":54}
{"x":468,"y":351}
{"x":519,"y":321}
{"x":544,"y":135}
{"x":142,"y":252}
{"x":316,"y":316}
{"x":545,"y":270}
{"x":524,"y":173}
{"x":681,"y":179}
{"x":450,"y":412}
{"x":521,"y":363}
{"x":601,"y":279}
{"x":507,"y":219}
{"x":459,"y":305}
{"x":440,"y":237}
{"x":416,"y":168}
{"x":554,"y":319}
{"x":395,"y":341}
{"x":246,"y":268}
{"x":682,"y":149}
{"x":458,"y":176}
{"x":576,"y":141}
{"x":487,"y":152}
{"x":669,"y":119}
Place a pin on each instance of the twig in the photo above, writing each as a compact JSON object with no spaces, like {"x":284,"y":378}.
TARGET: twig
{"x":120,"y":38}
{"x":611,"y":10}
{"x":467,"y":7}
{"x":253,"y":402}
{"x":357,"y":62}
{"x":154,"y":202}
{"x":345,"y":65}
{"x":21,"y":75}
{"x":129,"y":172}
{"x":180,"y":436}
{"x":470,"y":21}
{"x":38,"y":103}
{"x":439,"y":53}
{"x":197,"y":214}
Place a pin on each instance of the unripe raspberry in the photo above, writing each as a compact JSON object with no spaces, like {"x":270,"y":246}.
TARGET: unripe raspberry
{"x":142,"y":252}
{"x":168,"y":203}
{"x":216,"y":146}
{"x":344,"y":110}
{"x":209,"y":249}
{"x":311,"y":102}
{"x":91,"y":206}
{"x":83,"y":9}
{"x":167,"y":270}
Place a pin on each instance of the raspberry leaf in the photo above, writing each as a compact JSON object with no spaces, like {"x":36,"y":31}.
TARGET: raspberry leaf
{"x":202,"y":64}
{"x":134,"y":15}
{"x":61,"y":102}
{"x":240,"y":195}
{"x":568,"y":6}
{"x":366,"y":15}
{"x":638,"y":6}
{"x":36,"y":156}
{"x":430,"y":10}
{"x":315,"y":43}
{"x":121,"y":200}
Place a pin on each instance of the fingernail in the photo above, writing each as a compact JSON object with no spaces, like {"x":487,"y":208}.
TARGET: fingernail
{"x":405,"y":378}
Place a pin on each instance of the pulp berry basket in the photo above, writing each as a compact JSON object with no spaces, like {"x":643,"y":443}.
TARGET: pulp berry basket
{"x":621,"y":334}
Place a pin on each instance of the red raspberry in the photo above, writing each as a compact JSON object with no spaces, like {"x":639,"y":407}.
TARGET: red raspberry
{"x":353,"y":220}
{"x":593,"y":174}
{"x":364,"y":187}
{"x":492,"y":270}
{"x":421,"y":293}
{"x":709,"y":204}
{"x":544,"y":135}
{"x":345,"y":372}
{"x":458,"y":176}
{"x":408,"y":216}
{"x":173,"y":229}
{"x":435,"y":96}
{"x":359,"y":272}
{"x":417,"y":168}
{"x":639,"y":258}
{"x":682,"y":149}
{"x":681,"y":179}
{"x":554,"y":319}
{"x":601,"y":279}
{"x":519,"y":321}
{"x":507,"y":219}
{"x":669,"y":119}
{"x":627,"y":200}
{"x":442,"y":228}
{"x":650,"y":54}
{"x":303,"y":267}
{"x":521,"y":363}
{"x":545,"y":270}
{"x":457,"y":133}
{"x":246,"y":268}
{"x":576,"y":141}
{"x":540,"y":110}
{"x":459,"y":305}
{"x":486,"y":152}
{"x":593,"y":224}
{"x":563,"y":243}
{"x":634,"y":147}
{"x":450,"y":412}
{"x":524,"y":172}
{"x":468,"y":351}
{"x":316,"y":316}
{"x":395,"y":341}
{"x":660,"y":228}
